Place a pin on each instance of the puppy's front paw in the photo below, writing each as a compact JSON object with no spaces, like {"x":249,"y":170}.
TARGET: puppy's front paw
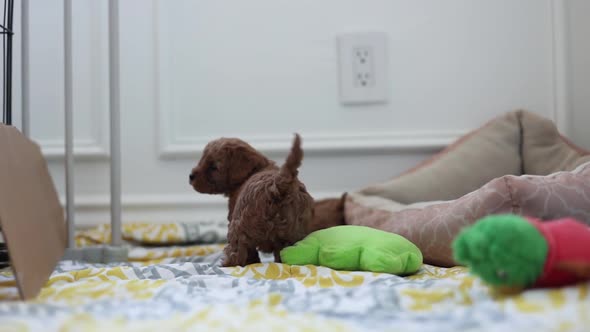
{"x":230,"y":257}
{"x":239,"y":256}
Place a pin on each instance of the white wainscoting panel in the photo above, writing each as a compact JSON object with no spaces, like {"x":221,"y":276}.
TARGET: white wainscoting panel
{"x":195,"y":70}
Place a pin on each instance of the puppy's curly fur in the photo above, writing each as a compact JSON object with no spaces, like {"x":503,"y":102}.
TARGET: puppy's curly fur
{"x":269,"y":208}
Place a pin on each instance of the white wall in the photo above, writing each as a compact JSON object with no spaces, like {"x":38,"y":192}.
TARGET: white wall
{"x":263,"y":69}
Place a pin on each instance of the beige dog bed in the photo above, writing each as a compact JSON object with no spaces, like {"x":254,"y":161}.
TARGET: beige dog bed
{"x":516,"y":163}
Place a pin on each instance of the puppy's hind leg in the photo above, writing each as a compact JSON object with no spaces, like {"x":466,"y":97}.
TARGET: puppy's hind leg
{"x":277,"y":254}
{"x":253,"y":257}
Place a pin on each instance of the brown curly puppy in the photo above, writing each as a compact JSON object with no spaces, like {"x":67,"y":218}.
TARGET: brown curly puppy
{"x":269,"y":208}
{"x":327,"y":213}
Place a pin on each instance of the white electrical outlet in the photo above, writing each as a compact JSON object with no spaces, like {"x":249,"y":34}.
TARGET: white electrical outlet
{"x":363,"y":68}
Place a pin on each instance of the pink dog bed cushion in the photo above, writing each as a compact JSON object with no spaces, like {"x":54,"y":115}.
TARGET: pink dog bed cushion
{"x":481,"y":174}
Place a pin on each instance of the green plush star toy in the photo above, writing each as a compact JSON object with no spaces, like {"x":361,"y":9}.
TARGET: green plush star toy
{"x":355,"y":248}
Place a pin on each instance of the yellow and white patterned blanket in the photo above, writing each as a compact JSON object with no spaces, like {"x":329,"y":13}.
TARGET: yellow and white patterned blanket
{"x":184,"y":289}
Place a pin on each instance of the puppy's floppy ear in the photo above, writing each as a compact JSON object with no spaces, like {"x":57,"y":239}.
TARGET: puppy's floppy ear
{"x":243,"y":162}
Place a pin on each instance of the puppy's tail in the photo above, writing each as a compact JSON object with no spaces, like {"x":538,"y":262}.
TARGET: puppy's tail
{"x":289,"y":170}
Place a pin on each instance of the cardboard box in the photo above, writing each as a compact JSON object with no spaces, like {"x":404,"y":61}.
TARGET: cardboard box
{"x":31,"y":217}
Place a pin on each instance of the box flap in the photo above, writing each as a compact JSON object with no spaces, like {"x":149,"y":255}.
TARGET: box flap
{"x":31,"y":217}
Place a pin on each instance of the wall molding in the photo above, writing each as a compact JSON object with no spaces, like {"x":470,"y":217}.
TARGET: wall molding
{"x":97,"y":146}
{"x":93,"y":210}
{"x":414,"y":141}
{"x":149,"y":200}
{"x":54,"y":149}
{"x":171,"y":146}
{"x":168,"y":200}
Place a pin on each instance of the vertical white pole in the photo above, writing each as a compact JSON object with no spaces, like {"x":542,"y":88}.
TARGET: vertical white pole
{"x":560,"y":67}
{"x":25,"y":67}
{"x":114,"y":96}
{"x":68,"y":103}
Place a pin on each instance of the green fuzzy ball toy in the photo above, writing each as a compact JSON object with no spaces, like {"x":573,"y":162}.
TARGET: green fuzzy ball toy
{"x":503,"y":250}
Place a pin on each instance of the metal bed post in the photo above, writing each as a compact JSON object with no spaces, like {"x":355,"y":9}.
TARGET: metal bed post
{"x":7,"y":32}
{"x":25,"y":67}
{"x":114,"y":99}
{"x":114,"y":252}
{"x":69,"y":134}
{"x":101,"y":254}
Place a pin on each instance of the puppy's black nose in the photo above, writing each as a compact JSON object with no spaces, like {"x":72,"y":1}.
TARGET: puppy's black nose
{"x":191,"y":177}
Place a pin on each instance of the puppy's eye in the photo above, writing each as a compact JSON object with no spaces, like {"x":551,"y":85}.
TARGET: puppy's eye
{"x":212,"y":167}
